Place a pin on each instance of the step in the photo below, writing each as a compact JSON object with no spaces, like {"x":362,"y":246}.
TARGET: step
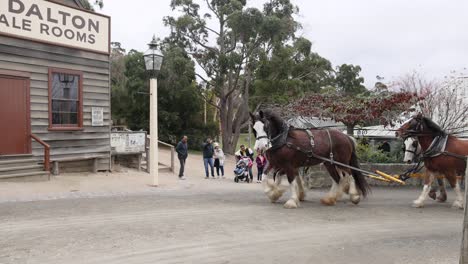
{"x":25,"y":176}
{"x":18,"y":168}
{"x":15,"y":156}
{"x":20,"y":161}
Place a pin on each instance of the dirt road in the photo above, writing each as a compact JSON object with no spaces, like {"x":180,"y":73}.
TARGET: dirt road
{"x":224,"y":222}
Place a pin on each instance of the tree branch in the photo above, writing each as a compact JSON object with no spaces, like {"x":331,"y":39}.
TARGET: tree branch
{"x":208,"y":101}
{"x":212,"y":30}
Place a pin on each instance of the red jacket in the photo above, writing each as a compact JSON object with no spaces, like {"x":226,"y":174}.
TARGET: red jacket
{"x":261,"y":161}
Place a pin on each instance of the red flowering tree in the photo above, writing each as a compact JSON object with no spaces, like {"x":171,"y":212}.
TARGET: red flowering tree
{"x":354,"y":110}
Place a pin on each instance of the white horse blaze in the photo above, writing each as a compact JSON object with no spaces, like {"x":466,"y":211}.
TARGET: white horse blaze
{"x":262,"y":143}
{"x":410,"y":150}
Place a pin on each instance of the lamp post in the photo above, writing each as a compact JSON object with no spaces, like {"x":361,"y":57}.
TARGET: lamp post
{"x":153,"y":62}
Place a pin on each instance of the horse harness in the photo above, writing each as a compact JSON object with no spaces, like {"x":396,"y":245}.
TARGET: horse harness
{"x":310,"y":153}
{"x":436,"y":149}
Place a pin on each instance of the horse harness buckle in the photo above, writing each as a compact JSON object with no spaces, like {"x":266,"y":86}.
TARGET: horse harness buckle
{"x":311,"y":138}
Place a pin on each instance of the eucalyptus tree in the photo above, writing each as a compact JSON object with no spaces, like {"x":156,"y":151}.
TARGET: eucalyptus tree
{"x":226,"y":38}
{"x":290,"y":72}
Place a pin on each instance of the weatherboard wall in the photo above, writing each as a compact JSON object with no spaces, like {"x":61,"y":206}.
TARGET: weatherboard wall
{"x":35,"y":59}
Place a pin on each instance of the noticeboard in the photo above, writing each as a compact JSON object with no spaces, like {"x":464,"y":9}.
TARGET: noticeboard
{"x":128,"y":142}
{"x":97,"y":116}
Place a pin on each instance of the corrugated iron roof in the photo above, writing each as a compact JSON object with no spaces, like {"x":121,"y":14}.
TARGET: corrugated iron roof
{"x":313,"y":122}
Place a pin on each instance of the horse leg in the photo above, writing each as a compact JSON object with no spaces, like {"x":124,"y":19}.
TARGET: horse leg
{"x":332,"y":195}
{"x":293,"y":201}
{"x":433,"y":193}
{"x":458,"y":204}
{"x":443,"y":192}
{"x":350,"y":187}
{"x":271,"y":186}
{"x":300,"y":185}
{"x":418,"y":203}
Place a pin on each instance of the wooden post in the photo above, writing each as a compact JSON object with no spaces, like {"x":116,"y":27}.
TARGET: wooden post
{"x":55,"y":168}
{"x":250,"y":136}
{"x":172,"y":159}
{"x":464,"y":246}
{"x":95,"y":165}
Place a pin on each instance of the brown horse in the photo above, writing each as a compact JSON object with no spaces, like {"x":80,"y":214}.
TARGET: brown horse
{"x":443,"y":155}
{"x":288,"y":149}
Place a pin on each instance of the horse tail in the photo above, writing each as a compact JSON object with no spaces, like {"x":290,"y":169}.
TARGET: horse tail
{"x":359,"y":178}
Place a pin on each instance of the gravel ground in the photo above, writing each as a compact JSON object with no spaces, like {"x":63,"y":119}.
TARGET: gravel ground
{"x":218,"y":221}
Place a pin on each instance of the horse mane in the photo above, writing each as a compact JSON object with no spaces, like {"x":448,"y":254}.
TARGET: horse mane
{"x":275,"y":120}
{"x":431,"y":125}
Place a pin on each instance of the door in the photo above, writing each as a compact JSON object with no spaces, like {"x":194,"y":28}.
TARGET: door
{"x":15,"y":128}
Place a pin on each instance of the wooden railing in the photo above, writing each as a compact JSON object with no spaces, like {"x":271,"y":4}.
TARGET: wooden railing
{"x":172,"y":166}
{"x":46,"y":152}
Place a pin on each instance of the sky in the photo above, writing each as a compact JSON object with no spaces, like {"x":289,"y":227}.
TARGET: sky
{"x":388,"y":38}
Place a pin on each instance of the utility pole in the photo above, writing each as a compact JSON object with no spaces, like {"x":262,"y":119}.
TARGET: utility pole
{"x":464,"y":244}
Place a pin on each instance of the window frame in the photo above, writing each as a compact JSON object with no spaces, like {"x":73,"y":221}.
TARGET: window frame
{"x":66,"y":127}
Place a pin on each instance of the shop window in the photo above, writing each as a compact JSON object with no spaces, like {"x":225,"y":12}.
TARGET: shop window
{"x":65,"y":99}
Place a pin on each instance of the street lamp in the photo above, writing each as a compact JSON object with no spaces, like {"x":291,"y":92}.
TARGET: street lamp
{"x":153,"y":62}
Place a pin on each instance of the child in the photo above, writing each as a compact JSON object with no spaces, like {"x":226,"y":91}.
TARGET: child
{"x":219,"y":159}
{"x":261,"y":162}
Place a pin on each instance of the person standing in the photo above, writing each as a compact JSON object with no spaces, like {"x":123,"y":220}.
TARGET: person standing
{"x":246,"y":152}
{"x":182,"y":154}
{"x":261,"y":162}
{"x":218,"y":160}
{"x":208,"y":153}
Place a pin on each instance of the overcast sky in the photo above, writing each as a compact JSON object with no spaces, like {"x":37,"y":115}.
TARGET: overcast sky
{"x":386,"y":38}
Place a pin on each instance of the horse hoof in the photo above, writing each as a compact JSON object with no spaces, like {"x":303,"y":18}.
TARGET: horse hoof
{"x":302,"y":196}
{"x":442,"y":198}
{"x":328,"y":201}
{"x":432,"y":195}
{"x":355,"y":199}
{"x":275,"y":194}
{"x":417,"y":204}
{"x":291,"y":204}
{"x":457,"y":205}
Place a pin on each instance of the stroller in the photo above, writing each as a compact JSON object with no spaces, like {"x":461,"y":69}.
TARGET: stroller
{"x":241,"y":171}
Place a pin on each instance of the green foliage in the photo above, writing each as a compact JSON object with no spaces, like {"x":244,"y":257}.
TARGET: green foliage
{"x":367,"y":155}
{"x":179,"y":104}
{"x":290,"y":72}
{"x":89,"y":6}
{"x":348,"y":80}
{"x":242,"y":34}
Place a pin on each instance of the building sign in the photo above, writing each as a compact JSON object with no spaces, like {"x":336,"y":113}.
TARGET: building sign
{"x":97,"y":116}
{"x":128,"y":142}
{"x":54,"y":23}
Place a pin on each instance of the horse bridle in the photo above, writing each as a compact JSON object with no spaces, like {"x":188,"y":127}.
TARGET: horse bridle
{"x":415,"y":145}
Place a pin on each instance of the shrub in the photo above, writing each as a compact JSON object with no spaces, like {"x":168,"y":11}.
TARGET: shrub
{"x":367,"y":155}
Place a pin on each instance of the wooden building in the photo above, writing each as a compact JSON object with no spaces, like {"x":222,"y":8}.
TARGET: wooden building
{"x":54,"y":88}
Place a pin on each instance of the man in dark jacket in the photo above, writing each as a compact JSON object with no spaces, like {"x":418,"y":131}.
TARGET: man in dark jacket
{"x":182,"y":154}
{"x":208,"y":152}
